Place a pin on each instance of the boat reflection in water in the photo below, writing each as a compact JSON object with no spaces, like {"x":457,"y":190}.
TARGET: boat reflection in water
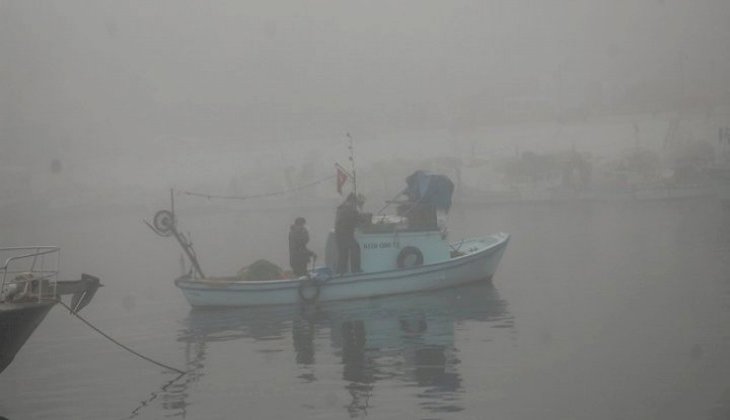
{"x":407,"y":341}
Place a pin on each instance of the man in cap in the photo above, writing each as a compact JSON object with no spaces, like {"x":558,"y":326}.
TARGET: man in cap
{"x":347,"y":218}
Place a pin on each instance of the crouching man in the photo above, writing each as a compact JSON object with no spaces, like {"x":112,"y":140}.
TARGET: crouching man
{"x":299,"y":254}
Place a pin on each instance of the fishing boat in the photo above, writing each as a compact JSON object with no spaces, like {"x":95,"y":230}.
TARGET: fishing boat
{"x":29,"y":289}
{"x":477,"y":259}
{"x":400,"y":253}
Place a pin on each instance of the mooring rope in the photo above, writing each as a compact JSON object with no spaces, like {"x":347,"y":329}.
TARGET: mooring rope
{"x":90,"y":325}
{"x":263,"y":195}
{"x":136,"y":412}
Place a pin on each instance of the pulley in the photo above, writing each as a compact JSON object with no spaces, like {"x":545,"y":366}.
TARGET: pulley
{"x":164,"y":223}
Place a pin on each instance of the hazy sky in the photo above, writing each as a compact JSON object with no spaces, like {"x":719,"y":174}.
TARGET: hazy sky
{"x":114,"y":72}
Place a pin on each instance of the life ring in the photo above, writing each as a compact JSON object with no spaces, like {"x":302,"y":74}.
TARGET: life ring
{"x":410,"y":257}
{"x":309,"y":290}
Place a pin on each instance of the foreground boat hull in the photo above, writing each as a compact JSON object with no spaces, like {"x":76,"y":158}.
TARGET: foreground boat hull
{"x":480,"y":262}
{"x":17,"y":323}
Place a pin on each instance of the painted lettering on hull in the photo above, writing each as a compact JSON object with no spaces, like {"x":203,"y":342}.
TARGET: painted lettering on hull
{"x":381,"y":245}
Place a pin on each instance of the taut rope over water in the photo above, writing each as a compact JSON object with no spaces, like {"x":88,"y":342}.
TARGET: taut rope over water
{"x":90,"y":325}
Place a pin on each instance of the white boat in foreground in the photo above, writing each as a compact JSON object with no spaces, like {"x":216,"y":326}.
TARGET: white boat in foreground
{"x":476,"y":259}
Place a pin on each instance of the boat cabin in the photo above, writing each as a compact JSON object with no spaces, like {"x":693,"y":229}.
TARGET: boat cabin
{"x":389,"y":243}
{"x":408,"y":239}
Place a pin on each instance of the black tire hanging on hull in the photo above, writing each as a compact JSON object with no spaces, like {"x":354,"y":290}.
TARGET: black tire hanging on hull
{"x":410,"y":257}
{"x":309,"y":289}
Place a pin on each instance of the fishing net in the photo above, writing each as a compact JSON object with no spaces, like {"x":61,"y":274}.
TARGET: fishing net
{"x":261,"y":270}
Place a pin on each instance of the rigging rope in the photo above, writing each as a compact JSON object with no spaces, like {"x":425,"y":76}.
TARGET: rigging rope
{"x":117,"y":342}
{"x":247,"y":197}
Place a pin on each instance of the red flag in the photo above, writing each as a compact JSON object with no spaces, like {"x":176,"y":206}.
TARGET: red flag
{"x":342,"y":177}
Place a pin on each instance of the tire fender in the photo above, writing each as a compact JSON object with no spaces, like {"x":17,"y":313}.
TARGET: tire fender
{"x":410,"y":257}
{"x":309,"y":289}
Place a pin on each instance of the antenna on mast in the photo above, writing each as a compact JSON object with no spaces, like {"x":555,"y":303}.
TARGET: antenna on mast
{"x":352,"y":164}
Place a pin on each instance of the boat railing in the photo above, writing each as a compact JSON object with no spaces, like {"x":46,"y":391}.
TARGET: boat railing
{"x":36,"y":263}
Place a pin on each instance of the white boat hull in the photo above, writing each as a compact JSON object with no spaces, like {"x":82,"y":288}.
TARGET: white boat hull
{"x":479,"y":262}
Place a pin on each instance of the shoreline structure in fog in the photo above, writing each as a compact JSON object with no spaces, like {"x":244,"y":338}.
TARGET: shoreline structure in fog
{"x":473,"y":159}
{"x":134,"y":98}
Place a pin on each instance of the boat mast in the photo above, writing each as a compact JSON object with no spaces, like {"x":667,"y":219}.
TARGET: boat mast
{"x":352,"y":165}
{"x":172,"y":202}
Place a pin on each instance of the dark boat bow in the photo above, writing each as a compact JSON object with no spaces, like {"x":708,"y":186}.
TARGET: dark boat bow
{"x":28,"y":292}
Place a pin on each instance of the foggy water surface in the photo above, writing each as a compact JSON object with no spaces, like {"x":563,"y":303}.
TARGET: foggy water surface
{"x":601,"y":311}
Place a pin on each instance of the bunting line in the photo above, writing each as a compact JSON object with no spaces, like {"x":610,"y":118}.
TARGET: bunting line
{"x":263,"y":195}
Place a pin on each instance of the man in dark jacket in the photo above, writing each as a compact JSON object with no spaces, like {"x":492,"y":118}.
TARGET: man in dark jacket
{"x":299,"y":255}
{"x":347,"y":248}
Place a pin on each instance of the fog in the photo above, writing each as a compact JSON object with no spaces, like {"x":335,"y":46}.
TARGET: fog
{"x":589,"y":130}
{"x":199,"y":91}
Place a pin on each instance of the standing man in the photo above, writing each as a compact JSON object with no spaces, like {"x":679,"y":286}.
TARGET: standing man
{"x":347,"y":248}
{"x":299,"y":255}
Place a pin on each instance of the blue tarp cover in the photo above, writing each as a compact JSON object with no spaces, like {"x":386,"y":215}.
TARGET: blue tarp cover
{"x":429,"y":188}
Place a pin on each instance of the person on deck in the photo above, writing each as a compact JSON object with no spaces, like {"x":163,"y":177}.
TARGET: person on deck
{"x":299,"y":254}
{"x":348,"y":251}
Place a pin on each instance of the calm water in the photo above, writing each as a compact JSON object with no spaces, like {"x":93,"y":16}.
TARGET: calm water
{"x":597,"y":312}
